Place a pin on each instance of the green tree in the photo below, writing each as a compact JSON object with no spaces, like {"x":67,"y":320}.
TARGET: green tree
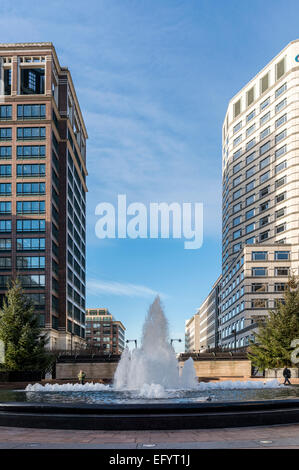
{"x":272,"y":346}
{"x":21,"y":334}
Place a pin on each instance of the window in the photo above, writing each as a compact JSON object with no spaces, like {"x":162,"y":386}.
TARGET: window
{"x":32,"y":81}
{"x":237,"y":221}
{"x":237,"y":234}
{"x":237,"y":180}
{"x":264,"y":163}
{"x":237,"y":194}
{"x":237,"y":167}
{"x":237,"y":247}
{"x":264,"y":220}
{"x":280,"y":228}
{"x":259,"y":271}
{"x":31,"y":170}
{"x":280,"y":182}
{"x":281,"y":151}
{"x":237,"y":154}
{"x":280,"y":197}
{"x":280,"y":69}
{"x":237,"y":140}
{"x":250,"y":116}
{"x":259,"y":287}
{"x":265,"y":133}
{"x":250,"y":172}
{"x":280,"y":136}
{"x":30,"y":262}
{"x":259,"y":255}
{"x":280,"y":287}
{"x":264,"y":206}
{"x":31,"y":111}
{"x":281,"y":255}
{"x":264,"y":235}
{"x":264,"y":104}
{"x":264,"y":177}
{"x":5,"y":133}
{"x":250,"y":228}
{"x":31,"y":151}
{"x":250,"y":158}
{"x":250,"y":144}
{"x":281,"y":121}
{"x":5,"y":112}
{"x":30,"y":188}
{"x":5,"y":153}
{"x":280,"y":90}
{"x":5,"y":226}
{"x":280,"y":105}
{"x":31,"y":225}
{"x":30,"y":244}
{"x":5,"y":207}
{"x":237,"y":108}
{"x":264,"y":83}
{"x":250,"y":214}
{"x":264,"y":148}
{"x":250,"y":199}
{"x":265,"y":118}
{"x":30,"y":207}
{"x":250,"y":186}
{"x":31,"y":133}
{"x":5,"y":171}
{"x":250,"y":130}
{"x":30,"y":281}
{"x":250,"y":241}
{"x":259,"y":303}
{"x":5,"y":244}
{"x":237,"y":127}
{"x":250,"y":96}
{"x":282,"y":271}
{"x":280,"y":213}
{"x":237,"y":207}
{"x":280,"y":167}
{"x":5,"y":189}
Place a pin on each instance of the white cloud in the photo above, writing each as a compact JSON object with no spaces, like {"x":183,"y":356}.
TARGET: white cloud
{"x":95,"y":287}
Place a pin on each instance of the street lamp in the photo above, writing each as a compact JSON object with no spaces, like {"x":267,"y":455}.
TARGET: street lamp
{"x":132,"y":341}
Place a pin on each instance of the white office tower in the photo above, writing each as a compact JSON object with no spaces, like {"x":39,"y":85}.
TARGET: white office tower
{"x":260,"y":196}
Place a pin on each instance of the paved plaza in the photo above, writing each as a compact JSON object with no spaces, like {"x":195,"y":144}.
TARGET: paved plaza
{"x":278,"y":437}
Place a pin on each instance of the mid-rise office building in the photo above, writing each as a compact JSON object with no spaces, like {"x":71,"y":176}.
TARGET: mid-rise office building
{"x":43,"y":188}
{"x":103,"y":332}
{"x":201,"y":330}
{"x":260,"y":196}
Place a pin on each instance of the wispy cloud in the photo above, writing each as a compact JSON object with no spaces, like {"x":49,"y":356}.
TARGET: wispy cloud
{"x":96,"y":287}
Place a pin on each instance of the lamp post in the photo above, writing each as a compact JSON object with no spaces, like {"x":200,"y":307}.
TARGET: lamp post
{"x":132,"y":341}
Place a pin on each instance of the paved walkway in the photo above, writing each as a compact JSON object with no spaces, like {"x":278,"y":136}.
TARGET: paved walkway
{"x":278,"y":437}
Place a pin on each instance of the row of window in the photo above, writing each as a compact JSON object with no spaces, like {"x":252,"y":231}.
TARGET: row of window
{"x":26,"y":225}
{"x":24,"y":170}
{"x":24,"y":111}
{"x":23,"y":207}
{"x":23,"y":151}
{"x":27,"y":281}
{"x":23,"y":188}
{"x":23,"y":133}
{"x":23,"y":262}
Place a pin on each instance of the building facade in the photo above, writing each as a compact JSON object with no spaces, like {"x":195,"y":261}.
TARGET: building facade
{"x":43,"y":188}
{"x":103,"y":332}
{"x":201,"y":330}
{"x":260,"y":162}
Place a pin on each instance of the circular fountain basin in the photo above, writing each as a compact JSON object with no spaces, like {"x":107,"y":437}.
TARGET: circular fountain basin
{"x":101,"y":407}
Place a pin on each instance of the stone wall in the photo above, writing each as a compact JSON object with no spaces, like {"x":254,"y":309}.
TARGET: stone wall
{"x":205,"y":368}
{"x":93,"y":370}
{"x":277,"y":373}
{"x":222,"y":369}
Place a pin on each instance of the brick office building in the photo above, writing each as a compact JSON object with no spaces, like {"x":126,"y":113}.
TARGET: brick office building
{"x":103,"y":332}
{"x":43,"y":188}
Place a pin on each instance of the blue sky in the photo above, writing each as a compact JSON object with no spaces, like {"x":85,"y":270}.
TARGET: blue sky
{"x":153,"y":78}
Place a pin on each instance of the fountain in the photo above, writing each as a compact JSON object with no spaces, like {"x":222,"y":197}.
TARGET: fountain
{"x":155,"y":363}
{"x":149,"y":391}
